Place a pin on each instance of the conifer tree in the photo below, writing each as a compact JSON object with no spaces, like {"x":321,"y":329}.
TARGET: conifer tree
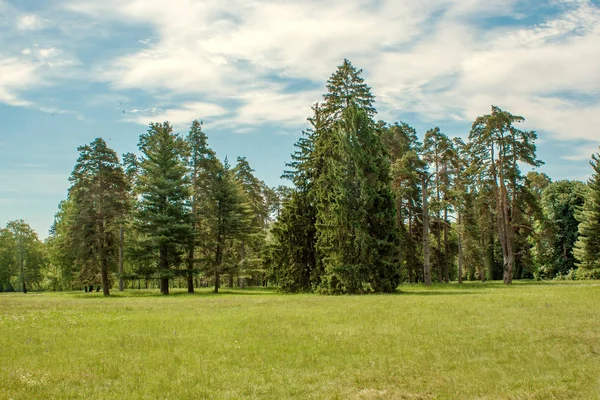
{"x":202,"y":166}
{"x":587,"y":247}
{"x":356,"y":222}
{"x":100,"y":203}
{"x":346,"y":87}
{"x":233,"y":216}
{"x":163,"y":216}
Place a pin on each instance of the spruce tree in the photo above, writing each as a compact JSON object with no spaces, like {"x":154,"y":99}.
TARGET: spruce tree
{"x":163,"y":216}
{"x":356,"y":220}
{"x":346,"y":87}
{"x":295,"y":261}
{"x":587,"y":247}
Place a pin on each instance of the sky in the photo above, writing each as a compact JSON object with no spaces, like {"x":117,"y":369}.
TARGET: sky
{"x":71,"y":71}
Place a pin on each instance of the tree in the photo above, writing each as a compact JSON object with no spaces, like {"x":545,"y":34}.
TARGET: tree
{"x":400,"y":141}
{"x":438,"y":151}
{"x":202,"y":166}
{"x":356,"y":223}
{"x":558,"y":230}
{"x":587,"y":247}
{"x":100,"y":201}
{"x":296,"y":263}
{"x":163,"y":216}
{"x":233,"y":215}
{"x":345,"y":88}
{"x":22,"y":255}
{"x":501,"y":147}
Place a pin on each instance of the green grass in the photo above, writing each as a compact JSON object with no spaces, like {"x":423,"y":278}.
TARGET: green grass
{"x":478,"y":341}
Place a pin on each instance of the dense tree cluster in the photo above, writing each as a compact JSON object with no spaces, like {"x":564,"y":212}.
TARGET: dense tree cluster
{"x":370,"y":206}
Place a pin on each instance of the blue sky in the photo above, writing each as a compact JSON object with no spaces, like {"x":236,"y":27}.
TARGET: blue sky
{"x":71,"y":71}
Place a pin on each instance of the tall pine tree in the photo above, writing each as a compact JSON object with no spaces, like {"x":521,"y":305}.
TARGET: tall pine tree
{"x":99,"y":194}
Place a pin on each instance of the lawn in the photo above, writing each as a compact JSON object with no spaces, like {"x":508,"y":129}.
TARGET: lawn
{"x":475,"y":341}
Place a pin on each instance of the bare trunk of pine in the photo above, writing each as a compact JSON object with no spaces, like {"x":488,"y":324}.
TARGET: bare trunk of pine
{"x":446,"y":246}
{"x":121,"y":245}
{"x":218,"y":263}
{"x":190,"y":275}
{"x":426,"y":260}
{"x":460,"y":248}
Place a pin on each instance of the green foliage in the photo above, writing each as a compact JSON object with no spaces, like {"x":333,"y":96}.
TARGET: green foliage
{"x":558,"y":229}
{"x":587,"y":247}
{"x":22,"y":258}
{"x":163,"y":216}
{"x":356,"y":220}
{"x":99,"y":195}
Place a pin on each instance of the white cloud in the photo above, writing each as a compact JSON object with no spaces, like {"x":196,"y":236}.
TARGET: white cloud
{"x":16,"y":75}
{"x":48,"y":53}
{"x":30,"y":22}
{"x":181,"y":116}
{"x":435,"y":58}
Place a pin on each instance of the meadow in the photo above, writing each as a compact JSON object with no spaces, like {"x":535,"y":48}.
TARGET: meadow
{"x":475,"y":341}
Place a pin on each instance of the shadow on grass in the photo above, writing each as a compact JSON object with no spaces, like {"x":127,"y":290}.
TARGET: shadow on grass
{"x":435,"y":292}
{"x":177,"y":293}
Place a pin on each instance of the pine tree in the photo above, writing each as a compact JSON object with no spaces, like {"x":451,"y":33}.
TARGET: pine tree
{"x":100,"y":202}
{"x":587,"y":247}
{"x":163,"y":216}
{"x":501,"y":147}
{"x":401,"y":142}
{"x":233,"y":216}
{"x":202,"y":166}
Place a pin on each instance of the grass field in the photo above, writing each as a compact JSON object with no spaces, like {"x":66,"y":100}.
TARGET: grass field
{"x":475,"y":341}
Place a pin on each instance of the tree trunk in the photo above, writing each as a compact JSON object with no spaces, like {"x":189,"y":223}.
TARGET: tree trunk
{"x":164,"y":282}
{"x":121,"y":245}
{"x":218,"y":263}
{"x":426,"y":261}
{"x":23,"y":284}
{"x":446,"y":248}
{"x":460,"y":248}
{"x":105,"y":288}
{"x":190,"y":275}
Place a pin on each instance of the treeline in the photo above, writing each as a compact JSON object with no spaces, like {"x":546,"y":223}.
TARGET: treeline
{"x":371,"y":207}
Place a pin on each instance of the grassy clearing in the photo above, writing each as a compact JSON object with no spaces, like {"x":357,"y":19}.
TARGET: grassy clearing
{"x":478,"y":341}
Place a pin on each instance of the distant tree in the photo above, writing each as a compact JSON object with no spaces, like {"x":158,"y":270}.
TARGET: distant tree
{"x":22,"y":256}
{"x":587,"y":247}
{"x":100,"y":202}
{"x":558,"y":231}
{"x":163,"y":215}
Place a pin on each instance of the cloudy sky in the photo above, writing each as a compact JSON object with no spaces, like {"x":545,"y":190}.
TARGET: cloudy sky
{"x":71,"y":71}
